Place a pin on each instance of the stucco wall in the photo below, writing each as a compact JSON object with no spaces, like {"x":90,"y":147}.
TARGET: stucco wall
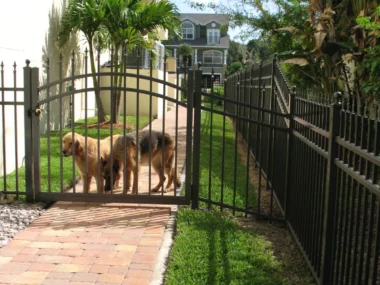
{"x":131,"y":97}
{"x":29,"y":30}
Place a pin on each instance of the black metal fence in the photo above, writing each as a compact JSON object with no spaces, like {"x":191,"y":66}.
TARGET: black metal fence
{"x":323,"y":170}
{"x":314,"y":166}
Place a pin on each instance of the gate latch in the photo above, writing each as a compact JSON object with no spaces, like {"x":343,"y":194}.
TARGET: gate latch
{"x":37,"y":111}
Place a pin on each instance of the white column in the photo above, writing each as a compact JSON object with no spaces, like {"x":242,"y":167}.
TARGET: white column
{"x":225,"y":56}
{"x":196,"y":56}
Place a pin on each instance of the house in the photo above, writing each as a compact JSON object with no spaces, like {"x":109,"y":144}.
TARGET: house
{"x":207,"y":34}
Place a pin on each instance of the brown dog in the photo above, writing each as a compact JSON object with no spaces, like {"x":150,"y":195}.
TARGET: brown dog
{"x":161,"y":145}
{"x":92,"y":157}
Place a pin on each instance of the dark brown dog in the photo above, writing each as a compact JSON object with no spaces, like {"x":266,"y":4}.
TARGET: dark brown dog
{"x":160,"y":145}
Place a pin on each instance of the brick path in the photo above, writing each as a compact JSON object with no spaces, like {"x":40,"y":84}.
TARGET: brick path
{"x":88,"y":243}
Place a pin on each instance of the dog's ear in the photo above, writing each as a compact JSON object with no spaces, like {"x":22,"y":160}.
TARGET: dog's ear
{"x":78,"y":147}
{"x":116,"y":165}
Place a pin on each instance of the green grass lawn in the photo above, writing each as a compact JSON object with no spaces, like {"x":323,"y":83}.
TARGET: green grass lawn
{"x":213,"y":249}
{"x":54,"y":183}
{"x":234,"y":187}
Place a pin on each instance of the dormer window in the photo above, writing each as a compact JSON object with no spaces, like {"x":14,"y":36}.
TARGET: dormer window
{"x":187,"y":31}
{"x":213,"y":36}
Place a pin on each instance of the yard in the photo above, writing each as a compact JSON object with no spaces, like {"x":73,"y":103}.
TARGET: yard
{"x":216,"y":248}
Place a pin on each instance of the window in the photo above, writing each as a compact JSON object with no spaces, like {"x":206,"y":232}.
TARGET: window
{"x":213,"y":36}
{"x":212,"y":56}
{"x":187,"y":31}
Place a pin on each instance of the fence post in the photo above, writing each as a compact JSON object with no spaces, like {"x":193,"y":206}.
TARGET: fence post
{"x":289,"y":150}
{"x":197,"y":137}
{"x":330,"y":191}
{"x":189,"y":133}
{"x":30,"y":99}
{"x":272,"y":106}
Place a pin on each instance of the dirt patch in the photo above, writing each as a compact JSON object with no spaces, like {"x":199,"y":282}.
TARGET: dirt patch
{"x":294,"y":268}
{"x":107,"y":125}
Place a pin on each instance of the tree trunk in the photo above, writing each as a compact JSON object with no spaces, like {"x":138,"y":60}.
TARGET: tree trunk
{"x":115,"y":101}
{"x":101,"y":113}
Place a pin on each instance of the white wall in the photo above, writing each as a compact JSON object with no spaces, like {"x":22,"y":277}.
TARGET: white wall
{"x":28,"y":30}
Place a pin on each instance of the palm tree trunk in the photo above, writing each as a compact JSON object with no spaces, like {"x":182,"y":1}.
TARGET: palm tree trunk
{"x":101,"y":113}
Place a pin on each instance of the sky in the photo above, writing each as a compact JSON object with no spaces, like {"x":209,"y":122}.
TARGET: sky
{"x":185,"y":8}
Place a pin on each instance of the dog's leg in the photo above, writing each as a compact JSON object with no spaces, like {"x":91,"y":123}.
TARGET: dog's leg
{"x":86,"y":183}
{"x":100,"y":183}
{"x":135,"y":179}
{"x":168,"y":168}
{"x":158,"y":168}
{"x":127,"y":180}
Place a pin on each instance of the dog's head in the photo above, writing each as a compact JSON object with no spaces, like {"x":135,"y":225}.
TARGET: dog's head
{"x":71,"y":142}
{"x":110,"y":170}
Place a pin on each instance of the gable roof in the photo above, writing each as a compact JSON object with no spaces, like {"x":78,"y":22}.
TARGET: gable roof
{"x":204,"y":19}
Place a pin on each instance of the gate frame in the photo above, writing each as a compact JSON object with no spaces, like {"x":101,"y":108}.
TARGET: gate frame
{"x":32,"y":149}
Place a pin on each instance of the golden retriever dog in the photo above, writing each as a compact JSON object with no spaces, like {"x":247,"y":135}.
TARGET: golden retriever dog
{"x":77,"y":142}
{"x":160,"y":145}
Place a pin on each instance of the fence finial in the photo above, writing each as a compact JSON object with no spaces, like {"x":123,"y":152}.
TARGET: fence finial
{"x":27,"y":62}
{"x":338,"y":97}
{"x":199,"y":65}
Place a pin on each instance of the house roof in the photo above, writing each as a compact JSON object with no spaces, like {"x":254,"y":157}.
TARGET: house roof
{"x":204,"y":19}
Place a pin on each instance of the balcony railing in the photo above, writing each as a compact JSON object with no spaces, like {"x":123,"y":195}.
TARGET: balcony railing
{"x":213,"y":40}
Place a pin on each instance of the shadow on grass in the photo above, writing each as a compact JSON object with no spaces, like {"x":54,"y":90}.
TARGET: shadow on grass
{"x":213,"y":249}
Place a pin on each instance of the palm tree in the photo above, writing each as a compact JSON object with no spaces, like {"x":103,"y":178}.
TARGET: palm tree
{"x":86,"y":16}
{"x":132,"y":23}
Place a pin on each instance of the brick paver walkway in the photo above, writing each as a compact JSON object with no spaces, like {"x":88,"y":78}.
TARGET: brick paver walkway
{"x":87,"y":243}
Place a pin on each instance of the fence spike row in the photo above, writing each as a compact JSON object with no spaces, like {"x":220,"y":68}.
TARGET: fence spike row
{"x":338,"y":97}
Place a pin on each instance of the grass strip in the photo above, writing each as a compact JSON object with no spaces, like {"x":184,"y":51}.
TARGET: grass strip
{"x":211,"y":248}
{"x":229,"y":180}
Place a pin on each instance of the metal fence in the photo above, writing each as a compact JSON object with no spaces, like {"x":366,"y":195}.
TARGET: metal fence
{"x":323,"y":170}
{"x":50,"y":110}
{"x":312,"y":165}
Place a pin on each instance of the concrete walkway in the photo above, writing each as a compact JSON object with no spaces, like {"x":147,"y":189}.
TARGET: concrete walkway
{"x":88,"y":243}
